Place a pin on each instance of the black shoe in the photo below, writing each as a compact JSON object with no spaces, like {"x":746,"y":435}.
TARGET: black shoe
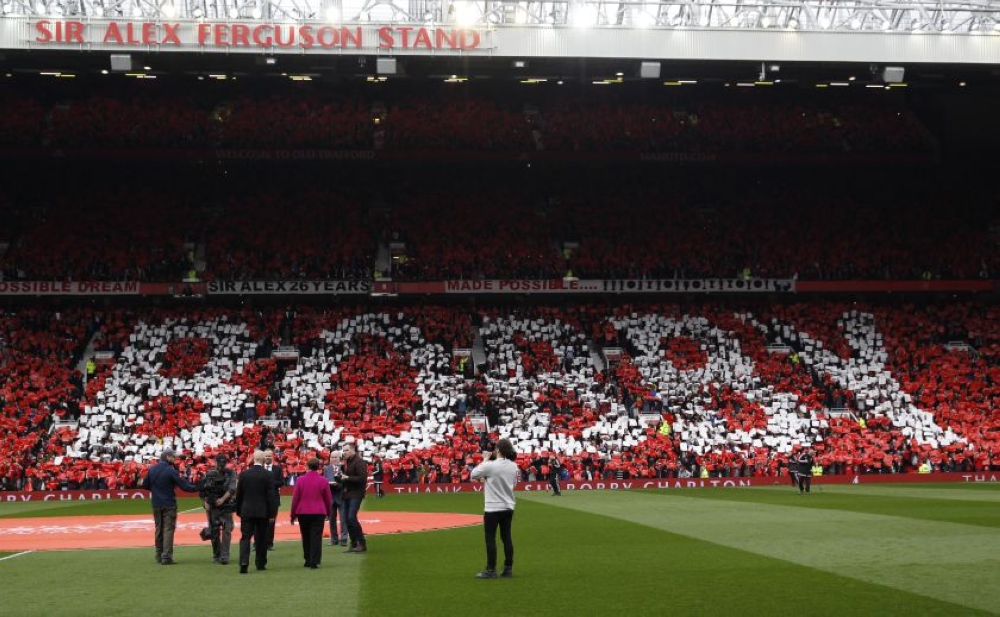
{"x":223,"y":562}
{"x":314,"y":567}
{"x":343,"y":542}
{"x":168,"y":562}
{"x":261,"y":568}
{"x":487,"y":574}
{"x":270,"y":548}
{"x":507,"y":573}
{"x":243,"y":569}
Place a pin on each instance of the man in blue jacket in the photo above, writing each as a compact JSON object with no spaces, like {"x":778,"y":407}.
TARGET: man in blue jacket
{"x":161,"y":481}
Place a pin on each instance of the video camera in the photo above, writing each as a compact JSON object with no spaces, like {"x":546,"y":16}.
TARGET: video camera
{"x":213,"y":487}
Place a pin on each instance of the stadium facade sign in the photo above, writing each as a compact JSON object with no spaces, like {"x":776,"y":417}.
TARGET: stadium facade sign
{"x":753,"y":285}
{"x":574,"y":286}
{"x":288,"y":288}
{"x":68,"y":288}
{"x":246,"y":35}
{"x":258,"y":37}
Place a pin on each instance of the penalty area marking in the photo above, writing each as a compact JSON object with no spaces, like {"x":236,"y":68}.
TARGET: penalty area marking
{"x":16,"y":555}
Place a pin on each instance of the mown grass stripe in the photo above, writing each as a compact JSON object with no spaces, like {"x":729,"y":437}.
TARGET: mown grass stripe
{"x":868,"y":500}
{"x":572,"y":562}
{"x":946,"y":561}
{"x":991,"y":496}
{"x":128,"y":582}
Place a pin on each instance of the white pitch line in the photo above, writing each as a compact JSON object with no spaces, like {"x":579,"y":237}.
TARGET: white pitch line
{"x":16,"y":555}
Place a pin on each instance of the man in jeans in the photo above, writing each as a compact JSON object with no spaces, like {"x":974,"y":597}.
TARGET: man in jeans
{"x":499,"y":472}
{"x":354,"y":477}
{"x":161,"y":481}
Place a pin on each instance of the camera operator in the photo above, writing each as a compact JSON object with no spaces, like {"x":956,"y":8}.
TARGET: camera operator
{"x":218,"y":496}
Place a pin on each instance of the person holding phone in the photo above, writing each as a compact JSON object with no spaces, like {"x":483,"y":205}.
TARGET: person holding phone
{"x":498,"y":472}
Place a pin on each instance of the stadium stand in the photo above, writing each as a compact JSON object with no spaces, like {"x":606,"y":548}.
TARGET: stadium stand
{"x":275,"y":224}
{"x":705,"y":389}
{"x":453,"y":118}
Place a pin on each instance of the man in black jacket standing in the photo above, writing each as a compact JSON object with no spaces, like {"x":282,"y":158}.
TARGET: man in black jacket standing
{"x":354,"y":477}
{"x":161,"y":481}
{"x":279,"y":480}
{"x":257,"y":505}
{"x":805,"y":462}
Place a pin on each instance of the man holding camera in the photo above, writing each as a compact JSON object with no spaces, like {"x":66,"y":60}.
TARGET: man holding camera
{"x":499,"y":472}
{"x":219,"y":498}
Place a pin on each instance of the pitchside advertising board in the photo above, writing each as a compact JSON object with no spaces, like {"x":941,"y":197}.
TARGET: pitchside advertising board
{"x":528,"y":487}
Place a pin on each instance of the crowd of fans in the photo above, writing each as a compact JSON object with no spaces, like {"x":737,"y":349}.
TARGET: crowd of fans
{"x":273,"y":225}
{"x":755,"y":126}
{"x":622,"y":226}
{"x":702,"y":390}
{"x":293,"y":233}
{"x":127,"y":234}
{"x":456,"y":118}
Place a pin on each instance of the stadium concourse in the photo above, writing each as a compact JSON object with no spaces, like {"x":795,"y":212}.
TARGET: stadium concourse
{"x":734,"y":389}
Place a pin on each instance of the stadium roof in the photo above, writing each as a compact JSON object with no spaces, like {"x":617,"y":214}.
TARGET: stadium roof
{"x":928,"y":16}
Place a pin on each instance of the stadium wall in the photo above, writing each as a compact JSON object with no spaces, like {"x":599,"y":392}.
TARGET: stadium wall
{"x":596,"y":485}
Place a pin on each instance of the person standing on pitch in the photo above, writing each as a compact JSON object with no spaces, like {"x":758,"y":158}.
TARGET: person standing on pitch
{"x":311,"y":505}
{"x":161,"y":481}
{"x":378,"y":474}
{"x":354,"y":477}
{"x":499,"y":472}
{"x":257,"y":505}
{"x":219,"y":503}
{"x":805,"y":462}
{"x":331,"y":472}
{"x":279,"y":480}
{"x":555,"y":470}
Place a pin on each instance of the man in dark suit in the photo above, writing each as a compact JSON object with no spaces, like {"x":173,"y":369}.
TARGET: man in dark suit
{"x":257,"y":505}
{"x":279,"y":480}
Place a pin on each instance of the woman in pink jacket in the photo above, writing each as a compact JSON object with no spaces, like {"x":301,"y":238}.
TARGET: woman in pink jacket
{"x":311,"y":506}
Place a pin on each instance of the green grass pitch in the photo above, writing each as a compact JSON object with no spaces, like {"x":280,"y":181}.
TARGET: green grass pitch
{"x":843,"y":550}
